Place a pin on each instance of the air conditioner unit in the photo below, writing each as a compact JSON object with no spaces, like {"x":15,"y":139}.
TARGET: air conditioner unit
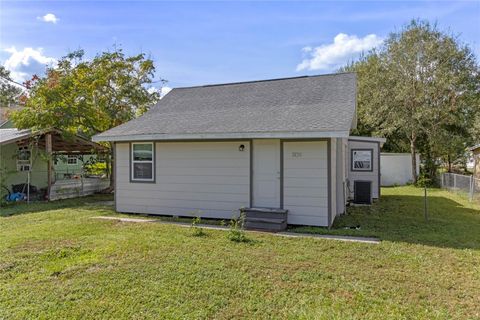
{"x":362,"y":190}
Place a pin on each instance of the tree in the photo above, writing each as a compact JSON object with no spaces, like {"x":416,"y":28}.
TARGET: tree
{"x":420,"y":87}
{"x":89,"y":97}
{"x":9,"y":92}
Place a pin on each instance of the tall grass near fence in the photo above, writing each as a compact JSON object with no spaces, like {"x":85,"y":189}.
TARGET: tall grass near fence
{"x":467,"y":185}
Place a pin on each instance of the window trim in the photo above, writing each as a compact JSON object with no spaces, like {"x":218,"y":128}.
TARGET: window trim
{"x":132,"y":162}
{"x":76,"y":160}
{"x":352,"y":168}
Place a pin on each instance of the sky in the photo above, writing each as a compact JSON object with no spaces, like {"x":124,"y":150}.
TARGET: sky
{"x":196,"y":43}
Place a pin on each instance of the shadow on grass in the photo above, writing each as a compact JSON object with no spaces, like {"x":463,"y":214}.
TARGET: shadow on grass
{"x":24,"y":208}
{"x":401,"y":218}
{"x":397,"y":218}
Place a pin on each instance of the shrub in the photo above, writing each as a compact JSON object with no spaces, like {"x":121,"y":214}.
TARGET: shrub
{"x":97,"y":168}
{"x":196,"y":230}
{"x":237,"y":232}
{"x":425,"y":181}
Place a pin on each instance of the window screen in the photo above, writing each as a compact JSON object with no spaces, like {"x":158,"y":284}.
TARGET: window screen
{"x":142,"y":162}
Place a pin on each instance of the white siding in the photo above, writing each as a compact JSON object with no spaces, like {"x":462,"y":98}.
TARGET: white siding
{"x":305,"y":182}
{"x":333,"y":179}
{"x":341,"y":172}
{"x":373,"y":175}
{"x":211,"y":177}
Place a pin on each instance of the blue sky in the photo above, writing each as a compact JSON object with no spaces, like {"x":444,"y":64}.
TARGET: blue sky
{"x":195,"y":43}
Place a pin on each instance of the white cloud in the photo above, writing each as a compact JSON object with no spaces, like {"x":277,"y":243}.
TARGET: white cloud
{"x":334,"y":55}
{"x":25,"y":63}
{"x":49,"y":17}
{"x":152,"y":90}
{"x":164,"y":91}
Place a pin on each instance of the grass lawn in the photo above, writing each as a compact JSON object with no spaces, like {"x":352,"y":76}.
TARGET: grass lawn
{"x":453,"y":222}
{"x":57,"y":263}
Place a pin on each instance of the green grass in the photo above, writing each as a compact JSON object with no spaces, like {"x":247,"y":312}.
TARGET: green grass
{"x":22,"y":207}
{"x":57,"y":263}
{"x":452,"y":220}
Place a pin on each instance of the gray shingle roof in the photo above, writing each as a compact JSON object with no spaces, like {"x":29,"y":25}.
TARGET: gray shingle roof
{"x":11,"y":135}
{"x":317,"y":104}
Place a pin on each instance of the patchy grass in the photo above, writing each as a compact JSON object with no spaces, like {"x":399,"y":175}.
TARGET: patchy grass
{"x":36,"y":206}
{"x":56,"y":263}
{"x":399,"y":216}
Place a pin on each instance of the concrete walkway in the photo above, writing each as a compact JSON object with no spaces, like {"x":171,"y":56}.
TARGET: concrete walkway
{"x":282,"y":234}
{"x":330,"y":237}
{"x":125,"y":219}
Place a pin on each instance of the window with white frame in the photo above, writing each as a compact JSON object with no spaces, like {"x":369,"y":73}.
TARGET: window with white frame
{"x":142,"y":158}
{"x":24,"y":159}
{"x":72,"y":160}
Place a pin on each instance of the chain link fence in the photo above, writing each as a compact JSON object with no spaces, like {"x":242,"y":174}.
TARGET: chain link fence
{"x":468,"y":185}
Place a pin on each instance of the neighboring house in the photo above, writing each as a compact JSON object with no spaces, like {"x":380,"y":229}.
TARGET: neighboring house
{"x":64,"y":165}
{"x":6,"y":124}
{"x":211,"y":150}
{"x":396,"y":168}
{"x":15,"y":105}
{"x":24,"y":161}
{"x":5,"y":113}
{"x":71,"y":164}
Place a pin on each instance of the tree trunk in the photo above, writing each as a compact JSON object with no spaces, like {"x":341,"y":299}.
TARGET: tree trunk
{"x":413,"y":151}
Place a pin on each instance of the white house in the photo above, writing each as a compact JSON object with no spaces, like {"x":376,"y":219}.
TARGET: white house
{"x":211,"y":150}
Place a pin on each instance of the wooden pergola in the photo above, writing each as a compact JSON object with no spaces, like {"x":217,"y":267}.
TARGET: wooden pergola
{"x":57,"y":142}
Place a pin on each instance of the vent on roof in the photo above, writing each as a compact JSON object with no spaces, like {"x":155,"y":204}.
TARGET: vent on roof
{"x":362,"y":192}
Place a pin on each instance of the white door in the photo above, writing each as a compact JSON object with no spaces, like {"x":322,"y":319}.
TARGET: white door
{"x":266,"y":173}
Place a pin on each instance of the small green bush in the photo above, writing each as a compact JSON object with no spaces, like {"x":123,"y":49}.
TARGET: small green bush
{"x":97,"y":168}
{"x":237,"y":232}
{"x":424,"y":181}
{"x":196,"y":230}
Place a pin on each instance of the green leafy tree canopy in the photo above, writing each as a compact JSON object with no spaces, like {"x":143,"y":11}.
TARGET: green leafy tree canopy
{"x":89,"y":96}
{"x":9,"y":92}
{"x":419,"y":88}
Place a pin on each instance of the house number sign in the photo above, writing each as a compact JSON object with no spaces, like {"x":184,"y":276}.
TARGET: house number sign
{"x":296,"y":154}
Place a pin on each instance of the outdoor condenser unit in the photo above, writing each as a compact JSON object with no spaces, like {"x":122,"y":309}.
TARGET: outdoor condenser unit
{"x":362,"y":192}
